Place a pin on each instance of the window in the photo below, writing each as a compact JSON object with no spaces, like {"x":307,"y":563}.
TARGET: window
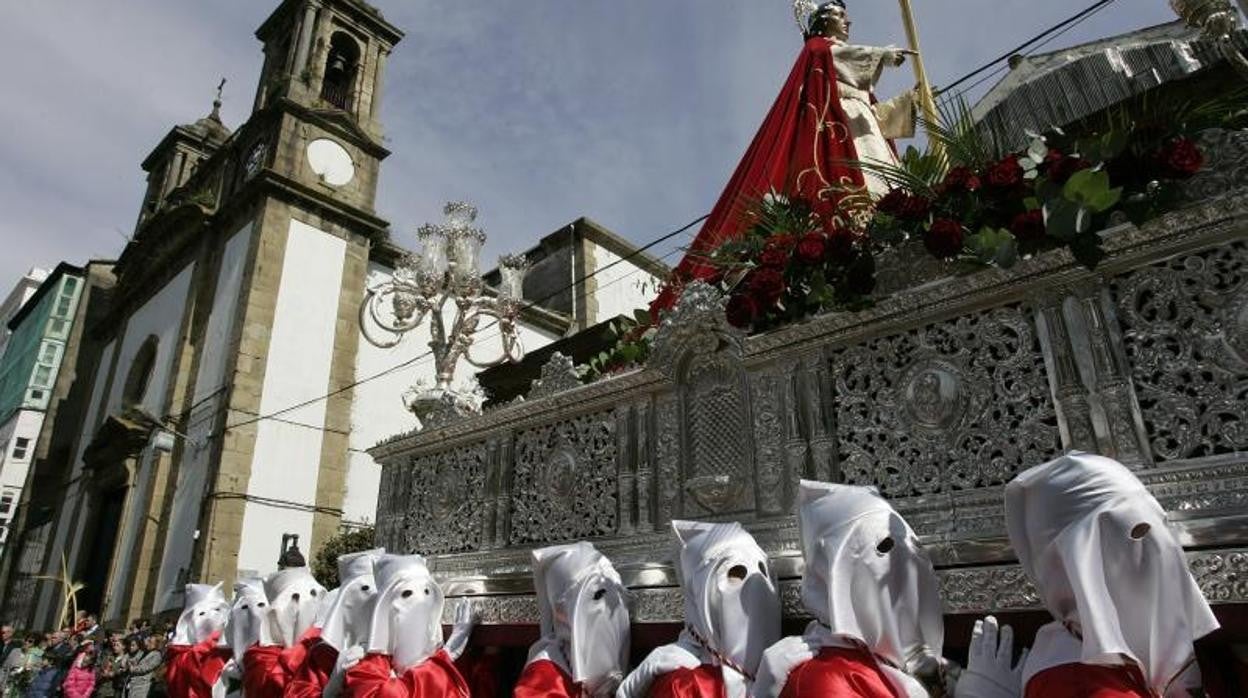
{"x":21,"y":446}
{"x":6,"y":504}
{"x":140,"y":372}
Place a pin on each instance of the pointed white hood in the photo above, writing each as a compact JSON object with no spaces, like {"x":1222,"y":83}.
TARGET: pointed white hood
{"x":248,"y":617}
{"x":349,"y":608}
{"x":206,"y":612}
{"x":731,"y":603}
{"x":1098,"y":548}
{"x":406,"y":621}
{"x":584,"y":615}
{"x":294,"y":598}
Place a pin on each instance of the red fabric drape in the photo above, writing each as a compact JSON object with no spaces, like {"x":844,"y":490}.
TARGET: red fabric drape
{"x":436,"y":677}
{"x":705,"y":681}
{"x":191,"y":670}
{"x":268,"y":671}
{"x":794,"y":152}
{"x":838,"y":673}
{"x":1088,"y":681}
{"x":544,"y":679}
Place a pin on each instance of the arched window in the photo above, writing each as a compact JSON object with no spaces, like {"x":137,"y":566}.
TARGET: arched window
{"x":340,"y":70}
{"x":140,"y":372}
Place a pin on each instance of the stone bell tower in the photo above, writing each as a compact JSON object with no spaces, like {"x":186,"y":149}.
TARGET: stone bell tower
{"x":305,"y":184}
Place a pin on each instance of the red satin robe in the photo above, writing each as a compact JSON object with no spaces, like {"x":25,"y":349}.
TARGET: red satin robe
{"x":795,"y":152}
{"x":706,"y":681}
{"x":269,"y":670}
{"x":544,"y":679}
{"x":313,"y":675}
{"x":838,"y":672}
{"x":436,"y":677}
{"x":1088,"y":681}
{"x":191,"y":670}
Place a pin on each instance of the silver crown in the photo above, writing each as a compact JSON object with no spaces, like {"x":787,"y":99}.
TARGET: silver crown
{"x":805,"y":12}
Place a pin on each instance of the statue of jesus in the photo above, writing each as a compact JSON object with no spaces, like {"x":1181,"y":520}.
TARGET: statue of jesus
{"x":871,"y":123}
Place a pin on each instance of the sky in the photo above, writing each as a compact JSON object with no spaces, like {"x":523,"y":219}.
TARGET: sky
{"x":633,"y":112}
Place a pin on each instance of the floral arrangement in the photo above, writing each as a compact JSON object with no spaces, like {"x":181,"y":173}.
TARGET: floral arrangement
{"x":963,"y":201}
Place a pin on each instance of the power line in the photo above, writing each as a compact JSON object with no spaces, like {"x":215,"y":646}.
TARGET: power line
{"x":1075,"y":19}
{"x":528,"y":304}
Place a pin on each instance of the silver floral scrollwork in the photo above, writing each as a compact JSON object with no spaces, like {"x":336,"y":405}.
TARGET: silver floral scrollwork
{"x":558,"y":375}
{"x":566,"y":481}
{"x":446,"y":495}
{"x":923,"y":412}
{"x":1186,"y":334}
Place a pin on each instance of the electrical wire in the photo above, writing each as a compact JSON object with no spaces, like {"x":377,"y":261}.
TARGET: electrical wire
{"x":528,"y":304}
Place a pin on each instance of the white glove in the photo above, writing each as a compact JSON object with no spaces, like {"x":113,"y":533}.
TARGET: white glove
{"x":466,"y":618}
{"x":988,"y":672}
{"x":351,"y":657}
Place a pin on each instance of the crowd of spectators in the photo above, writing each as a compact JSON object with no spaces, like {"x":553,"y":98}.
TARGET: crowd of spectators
{"x":83,"y":661}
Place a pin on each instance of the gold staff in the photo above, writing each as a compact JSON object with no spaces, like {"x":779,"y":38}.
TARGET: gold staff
{"x":926,"y":102}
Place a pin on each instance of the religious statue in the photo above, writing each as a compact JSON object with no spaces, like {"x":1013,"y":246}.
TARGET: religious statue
{"x":868,"y":122}
{"x":824,"y":122}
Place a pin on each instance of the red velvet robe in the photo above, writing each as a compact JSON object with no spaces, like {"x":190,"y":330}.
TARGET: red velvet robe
{"x":706,"y":681}
{"x":544,"y":679}
{"x":191,"y":670}
{"x":436,"y":677}
{"x":838,"y":672}
{"x":1088,"y":681}
{"x":268,"y":670}
{"x":798,"y":151}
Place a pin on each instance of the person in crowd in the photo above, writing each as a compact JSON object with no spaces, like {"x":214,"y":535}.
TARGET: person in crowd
{"x":879,"y":628}
{"x":110,"y":677}
{"x":41,"y":670}
{"x":142,"y":662}
{"x":80,"y":678}
{"x":1126,"y":609}
{"x":584,"y":645}
{"x":11,"y":655}
{"x":732,"y":614}
{"x":197,"y":654}
{"x":403,"y":655}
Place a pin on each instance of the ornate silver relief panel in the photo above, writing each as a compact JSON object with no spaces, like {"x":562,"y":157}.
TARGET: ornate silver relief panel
{"x":445,"y":500}
{"x":954,"y":405}
{"x":565,"y":484}
{"x":1185,"y":331}
{"x":719,"y":466}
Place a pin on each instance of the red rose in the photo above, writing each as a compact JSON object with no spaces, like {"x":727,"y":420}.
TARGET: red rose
{"x":839,"y":243}
{"x":915,"y":208}
{"x":811,"y":248}
{"x":741,"y":311}
{"x":781,"y":241}
{"x":766,"y":286}
{"x":893,"y":203}
{"x":944,"y":238}
{"x":1005,"y":174}
{"x":774,"y":257}
{"x":1181,"y":158}
{"x":961,"y":178}
{"x":1028,"y":225}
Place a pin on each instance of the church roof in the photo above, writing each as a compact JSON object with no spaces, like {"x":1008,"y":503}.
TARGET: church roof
{"x":1060,"y":87}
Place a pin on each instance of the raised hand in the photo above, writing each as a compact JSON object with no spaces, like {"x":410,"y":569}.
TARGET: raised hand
{"x":990,"y":671}
{"x":466,"y":617}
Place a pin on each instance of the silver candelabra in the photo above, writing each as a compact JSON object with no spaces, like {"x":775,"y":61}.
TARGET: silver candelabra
{"x":447,"y":273}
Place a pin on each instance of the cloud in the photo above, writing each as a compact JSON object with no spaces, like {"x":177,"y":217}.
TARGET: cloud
{"x":633,"y":113}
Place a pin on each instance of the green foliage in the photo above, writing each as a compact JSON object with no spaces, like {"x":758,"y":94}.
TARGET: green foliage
{"x":631,"y":348}
{"x":994,"y":246}
{"x":325,"y":562}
